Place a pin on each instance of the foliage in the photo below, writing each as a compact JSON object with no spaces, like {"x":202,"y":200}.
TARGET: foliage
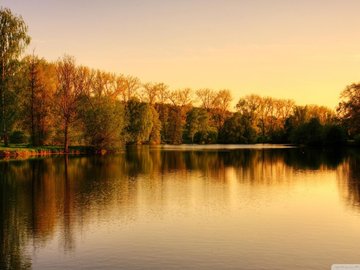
{"x":199,"y":128}
{"x":310,"y":133}
{"x":349,"y":108}
{"x":13,"y":41}
{"x":238,"y":129}
{"x":357,"y":140}
{"x":334,"y":135}
{"x":140,"y":121}
{"x":18,"y":136}
{"x":63,"y":103}
{"x":155,"y":137}
{"x":38,"y":96}
{"x":103,"y":123}
{"x":313,"y":133}
{"x":68,"y":94}
{"x":175,"y":126}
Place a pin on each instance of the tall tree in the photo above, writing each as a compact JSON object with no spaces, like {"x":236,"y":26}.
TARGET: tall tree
{"x":38,"y":98}
{"x":182,"y":103}
{"x":131,"y":87}
{"x":155,"y":135}
{"x":150,"y":92}
{"x":140,"y":121}
{"x":68,"y":94}
{"x":13,"y":41}
{"x":221,"y":107}
{"x":175,"y":126}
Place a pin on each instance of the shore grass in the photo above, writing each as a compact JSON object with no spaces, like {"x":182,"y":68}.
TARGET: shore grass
{"x":24,"y":150}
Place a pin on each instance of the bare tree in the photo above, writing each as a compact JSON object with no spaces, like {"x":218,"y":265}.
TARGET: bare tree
{"x":163,"y":93}
{"x":150,"y":93}
{"x":68,"y":94}
{"x":181,"y":98}
{"x":207,"y":98}
{"x":220,"y":107}
{"x":132,"y":85}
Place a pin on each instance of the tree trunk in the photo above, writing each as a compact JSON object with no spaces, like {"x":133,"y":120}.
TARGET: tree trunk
{"x":32,"y":102}
{"x":66,"y":137}
{"x":2,"y":88}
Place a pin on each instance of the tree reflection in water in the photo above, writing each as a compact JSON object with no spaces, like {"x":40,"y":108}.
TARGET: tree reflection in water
{"x":39,"y":196}
{"x":349,"y":179}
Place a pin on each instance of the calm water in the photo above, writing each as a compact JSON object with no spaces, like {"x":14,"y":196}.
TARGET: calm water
{"x":182,"y":208}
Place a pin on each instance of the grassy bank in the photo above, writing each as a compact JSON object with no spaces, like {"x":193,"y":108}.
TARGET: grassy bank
{"x":23,"y":151}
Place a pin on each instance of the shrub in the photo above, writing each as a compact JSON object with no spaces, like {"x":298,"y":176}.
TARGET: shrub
{"x":357,"y":139}
{"x":18,"y":136}
{"x":334,"y":135}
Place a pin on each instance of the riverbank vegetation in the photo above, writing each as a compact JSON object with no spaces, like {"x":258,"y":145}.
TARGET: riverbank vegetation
{"x":61,"y":103}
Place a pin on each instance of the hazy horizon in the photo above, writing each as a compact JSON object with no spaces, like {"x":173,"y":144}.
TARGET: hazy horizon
{"x":304,"y":51}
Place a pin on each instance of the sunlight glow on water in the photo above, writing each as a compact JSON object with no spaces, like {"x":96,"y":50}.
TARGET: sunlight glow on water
{"x":282,"y":208}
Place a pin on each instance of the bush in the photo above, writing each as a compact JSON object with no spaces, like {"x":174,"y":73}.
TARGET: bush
{"x":310,"y":133}
{"x":17,"y":136}
{"x":357,"y":140}
{"x":334,"y":135}
{"x":205,"y":137}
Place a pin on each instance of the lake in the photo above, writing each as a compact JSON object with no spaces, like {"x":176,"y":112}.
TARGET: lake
{"x":182,"y":207}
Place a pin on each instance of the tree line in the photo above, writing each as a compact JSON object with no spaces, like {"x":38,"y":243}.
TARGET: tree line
{"x":52,"y":103}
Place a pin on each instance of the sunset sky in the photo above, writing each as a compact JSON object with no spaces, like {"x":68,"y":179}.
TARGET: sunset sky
{"x":304,"y":50}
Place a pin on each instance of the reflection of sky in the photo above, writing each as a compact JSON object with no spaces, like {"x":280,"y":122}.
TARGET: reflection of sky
{"x":281,"y":48}
{"x":209,"y":214}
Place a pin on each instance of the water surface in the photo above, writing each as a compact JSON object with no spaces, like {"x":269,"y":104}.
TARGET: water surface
{"x":182,"y":208}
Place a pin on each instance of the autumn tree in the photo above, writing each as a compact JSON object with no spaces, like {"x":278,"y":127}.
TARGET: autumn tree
{"x":206,"y":97}
{"x":151,"y":91}
{"x":221,"y":107}
{"x":249,"y":107}
{"x":324,"y":114}
{"x":162,"y":108}
{"x":131,"y":86}
{"x":38,"y":98}
{"x":181,"y":98}
{"x":175,"y":126}
{"x":181,"y":103}
{"x":13,"y":41}
{"x":68,"y":94}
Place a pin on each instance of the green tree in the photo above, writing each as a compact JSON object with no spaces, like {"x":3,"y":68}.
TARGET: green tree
{"x":104,"y":120}
{"x":13,"y":41}
{"x":140,"y":121}
{"x":155,"y":136}
{"x":199,"y":128}
{"x":238,"y":129}
{"x":163,"y":112}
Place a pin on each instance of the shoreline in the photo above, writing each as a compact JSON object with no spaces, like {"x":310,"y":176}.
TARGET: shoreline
{"x":24,"y":152}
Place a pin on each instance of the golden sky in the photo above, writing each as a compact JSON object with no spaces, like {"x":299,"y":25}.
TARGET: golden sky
{"x":304,"y":50}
